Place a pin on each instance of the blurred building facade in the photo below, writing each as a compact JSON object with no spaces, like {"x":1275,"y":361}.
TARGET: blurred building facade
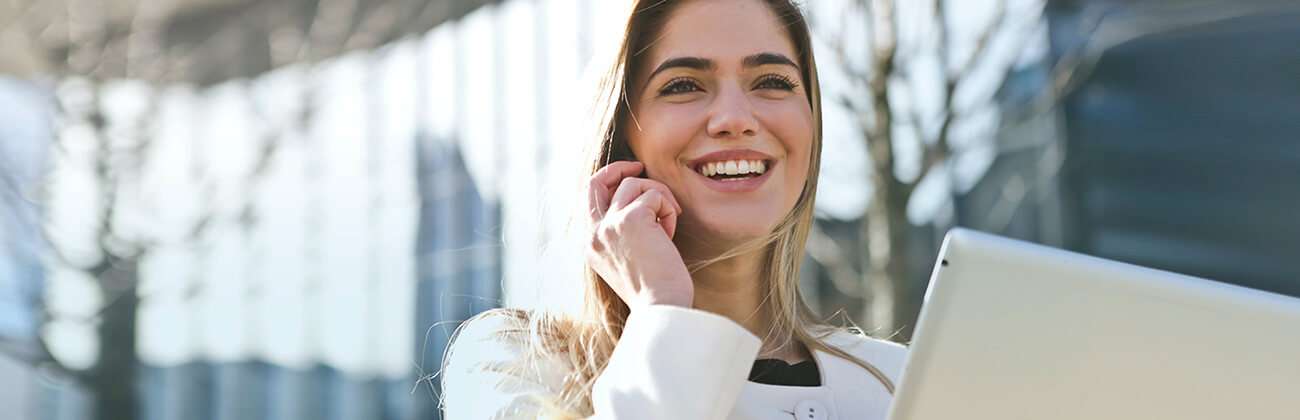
{"x":25,"y":131}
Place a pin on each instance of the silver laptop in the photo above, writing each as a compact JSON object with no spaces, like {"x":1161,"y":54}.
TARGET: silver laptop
{"x":1011,"y":330}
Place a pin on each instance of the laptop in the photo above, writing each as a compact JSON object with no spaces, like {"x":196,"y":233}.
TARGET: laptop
{"x":1010,"y":330}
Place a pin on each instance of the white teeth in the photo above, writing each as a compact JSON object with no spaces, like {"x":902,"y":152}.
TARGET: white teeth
{"x":733,"y":167}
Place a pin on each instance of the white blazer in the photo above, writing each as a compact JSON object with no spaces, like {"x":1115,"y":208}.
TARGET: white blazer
{"x":671,"y":363}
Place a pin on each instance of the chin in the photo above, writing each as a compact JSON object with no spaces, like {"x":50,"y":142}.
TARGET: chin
{"x":732,"y":228}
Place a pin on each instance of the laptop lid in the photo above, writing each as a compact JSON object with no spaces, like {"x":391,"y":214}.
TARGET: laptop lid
{"x":1013,"y":330}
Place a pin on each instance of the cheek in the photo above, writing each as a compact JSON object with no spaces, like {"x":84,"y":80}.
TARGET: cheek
{"x":791,"y":122}
{"x":659,"y":135}
{"x":796,"y":176}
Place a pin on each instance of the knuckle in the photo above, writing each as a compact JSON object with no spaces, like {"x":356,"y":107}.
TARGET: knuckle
{"x":605,"y":234}
{"x":630,"y":182}
{"x":639,"y":211}
{"x":652,"y":195}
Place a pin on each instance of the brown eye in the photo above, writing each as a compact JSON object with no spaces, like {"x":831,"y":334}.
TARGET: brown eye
{"x":776,"y":81}
{"x":679,"y":86}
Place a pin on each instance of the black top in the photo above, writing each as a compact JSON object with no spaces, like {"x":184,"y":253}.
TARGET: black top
{"x":778,"y":372}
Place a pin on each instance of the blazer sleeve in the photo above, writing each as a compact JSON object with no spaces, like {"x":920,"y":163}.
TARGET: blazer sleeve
{"x":670,"y":363}
{"x":675,"y":363}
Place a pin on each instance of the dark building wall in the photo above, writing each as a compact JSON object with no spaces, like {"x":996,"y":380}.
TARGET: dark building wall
{"x":1184,"y":145}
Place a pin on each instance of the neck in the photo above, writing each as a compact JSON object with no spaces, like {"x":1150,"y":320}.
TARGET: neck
{"x":734,"y":288}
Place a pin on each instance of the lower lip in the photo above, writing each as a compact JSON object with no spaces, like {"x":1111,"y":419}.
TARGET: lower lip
{"x":737,"y":185}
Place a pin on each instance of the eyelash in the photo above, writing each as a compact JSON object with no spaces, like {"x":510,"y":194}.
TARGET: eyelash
{"x":782,"y":82}
{"x":671,"y":87}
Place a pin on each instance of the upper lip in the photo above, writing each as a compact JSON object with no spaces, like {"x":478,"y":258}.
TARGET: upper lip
{"x":734,"y":154}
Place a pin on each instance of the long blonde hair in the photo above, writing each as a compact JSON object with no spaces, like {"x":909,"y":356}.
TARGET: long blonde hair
{"x":586,"y":341}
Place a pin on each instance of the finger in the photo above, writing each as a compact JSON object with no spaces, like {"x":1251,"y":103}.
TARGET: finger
{"x":669,"y":223}
{"x":603,"y":183}
{"x":665,"y":213}
{"x":631,"y":188}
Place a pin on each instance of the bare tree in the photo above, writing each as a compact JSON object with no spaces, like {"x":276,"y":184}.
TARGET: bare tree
{"x":893,"y":74}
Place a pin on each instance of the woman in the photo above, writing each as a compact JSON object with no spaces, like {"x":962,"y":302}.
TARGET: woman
{"x":700,"y":200}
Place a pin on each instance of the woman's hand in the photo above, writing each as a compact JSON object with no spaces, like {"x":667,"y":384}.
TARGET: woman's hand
{"x":631,"y":245}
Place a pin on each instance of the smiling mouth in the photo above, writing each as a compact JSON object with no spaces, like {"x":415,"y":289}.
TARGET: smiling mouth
{"x":733,"y":170}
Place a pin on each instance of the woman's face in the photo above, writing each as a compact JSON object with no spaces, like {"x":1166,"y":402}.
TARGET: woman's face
{"x":720,"y":116}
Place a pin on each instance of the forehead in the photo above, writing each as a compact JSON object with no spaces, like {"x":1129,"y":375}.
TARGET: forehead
{"x":722,"y":30}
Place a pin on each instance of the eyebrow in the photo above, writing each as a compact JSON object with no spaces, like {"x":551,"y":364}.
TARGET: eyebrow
{"x":761,"y":59}
{"x":698,"y":63}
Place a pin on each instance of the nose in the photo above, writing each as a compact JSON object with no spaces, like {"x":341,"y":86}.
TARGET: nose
{"x":732,"y":115}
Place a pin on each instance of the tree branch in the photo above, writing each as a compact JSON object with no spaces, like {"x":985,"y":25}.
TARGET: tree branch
{"x":937,"y":151}
{"x":1016,"y":189}
{"x":823,"y":249}
{"x":982,"y":44}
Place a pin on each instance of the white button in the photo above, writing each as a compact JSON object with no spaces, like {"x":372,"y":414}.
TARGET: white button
{"x":810,"y":410}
